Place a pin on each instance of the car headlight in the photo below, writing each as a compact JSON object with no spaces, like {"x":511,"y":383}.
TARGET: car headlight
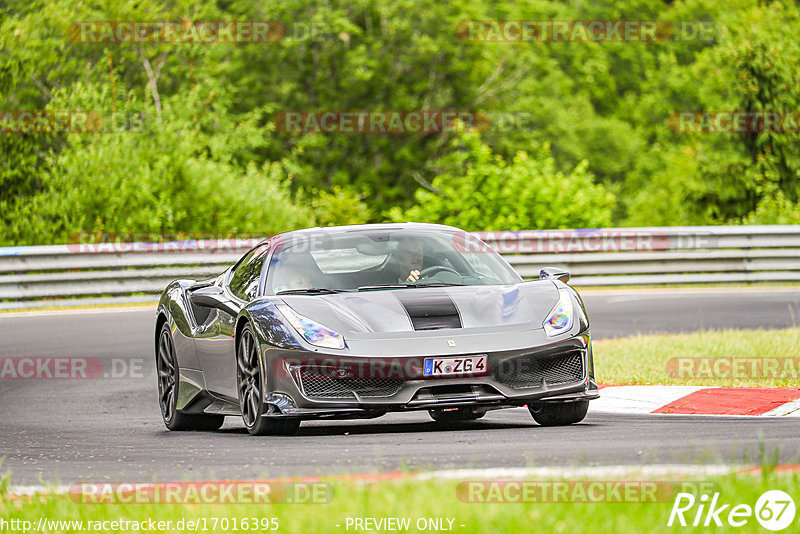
{"x":561,"y":318}
{"x":313,"y":332}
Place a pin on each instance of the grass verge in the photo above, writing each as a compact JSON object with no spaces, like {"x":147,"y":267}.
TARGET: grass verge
{"x":733,"y":358}
{"x":413,"y":499}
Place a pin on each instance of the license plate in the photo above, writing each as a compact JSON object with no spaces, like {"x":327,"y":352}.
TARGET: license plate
{"x":464,"y":366}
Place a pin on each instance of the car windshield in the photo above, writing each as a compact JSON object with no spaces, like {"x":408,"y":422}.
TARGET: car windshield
{"x":384,"y":259}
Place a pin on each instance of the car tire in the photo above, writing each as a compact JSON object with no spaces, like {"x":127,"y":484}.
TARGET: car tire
{"x":250,"y":376}
{"x":168,"y":387}
{"x":199,"y":422}
{"x":275,"y":426}
{"x":459,"y":414}
{"x":559,"y":414}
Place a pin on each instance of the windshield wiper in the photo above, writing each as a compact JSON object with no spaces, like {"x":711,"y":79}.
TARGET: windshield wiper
{"x":407,"y":285}
{"x":385,"y":286}
{"x":309,"y":291}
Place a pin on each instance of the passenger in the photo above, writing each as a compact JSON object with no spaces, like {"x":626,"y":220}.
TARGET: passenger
{"x":295,"y":280}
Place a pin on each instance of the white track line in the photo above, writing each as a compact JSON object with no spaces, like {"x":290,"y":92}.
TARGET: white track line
{"x":639,"y":399}
{"x":787,"y":409}
{"x":586,"y":472}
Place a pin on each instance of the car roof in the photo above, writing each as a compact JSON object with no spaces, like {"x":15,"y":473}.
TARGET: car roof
{"x":332,"y":230}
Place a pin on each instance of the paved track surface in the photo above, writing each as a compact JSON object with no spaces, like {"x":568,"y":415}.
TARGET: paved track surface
{"x":110,"y":429}
{"x":623,"y":313}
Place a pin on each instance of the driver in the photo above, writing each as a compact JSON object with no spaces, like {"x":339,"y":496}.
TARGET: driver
{"x":409,"y":257}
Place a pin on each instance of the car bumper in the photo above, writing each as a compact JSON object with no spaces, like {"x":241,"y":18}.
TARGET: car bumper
{"x":333,"y":386}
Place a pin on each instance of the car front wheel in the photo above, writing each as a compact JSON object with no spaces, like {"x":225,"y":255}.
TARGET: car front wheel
{"x":250,"y":380}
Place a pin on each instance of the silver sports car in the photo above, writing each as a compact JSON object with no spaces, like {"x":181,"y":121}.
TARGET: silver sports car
{"x":357,"y":321}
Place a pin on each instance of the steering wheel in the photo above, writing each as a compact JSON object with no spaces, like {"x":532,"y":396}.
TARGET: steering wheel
{"x":436,"y":269}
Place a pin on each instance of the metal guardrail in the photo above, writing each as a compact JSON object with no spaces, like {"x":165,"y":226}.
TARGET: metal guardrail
{"x":34,"y":276}
{"x":666,"y":255}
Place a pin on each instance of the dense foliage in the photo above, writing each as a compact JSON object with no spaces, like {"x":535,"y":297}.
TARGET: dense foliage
{"x":582,"y":133}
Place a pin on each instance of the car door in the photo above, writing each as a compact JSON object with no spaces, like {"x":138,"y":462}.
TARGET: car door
{"x":215,"y":344}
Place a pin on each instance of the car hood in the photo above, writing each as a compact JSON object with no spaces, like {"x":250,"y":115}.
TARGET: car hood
{"x":413,"y":309}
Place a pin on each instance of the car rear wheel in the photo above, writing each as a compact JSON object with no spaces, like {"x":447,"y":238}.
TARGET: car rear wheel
{"x":250,"y":374}
{"x":457,"y":414}
{"x":559,"y":414}
{"x":168,"y":385}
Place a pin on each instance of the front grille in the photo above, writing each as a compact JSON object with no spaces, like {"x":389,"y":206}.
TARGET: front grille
{"x":529,"y":371}
{"x":318,"y":385}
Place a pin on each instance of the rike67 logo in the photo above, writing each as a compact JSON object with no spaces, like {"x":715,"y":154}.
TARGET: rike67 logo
{"x":774,"y":510}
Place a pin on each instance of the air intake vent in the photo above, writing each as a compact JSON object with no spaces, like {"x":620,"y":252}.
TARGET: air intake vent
{"x":325,"y":385}
{"x":531,"y":370}
{"x":430,"y":310}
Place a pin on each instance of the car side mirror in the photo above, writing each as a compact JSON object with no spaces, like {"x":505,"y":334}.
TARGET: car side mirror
{"x":213,"y":297}
{"x":554,"y":273}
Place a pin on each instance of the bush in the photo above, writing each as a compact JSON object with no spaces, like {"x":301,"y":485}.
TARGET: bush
{"x":176,"y":175}
{"x":478,"y":190}
{"x":775,"y":209}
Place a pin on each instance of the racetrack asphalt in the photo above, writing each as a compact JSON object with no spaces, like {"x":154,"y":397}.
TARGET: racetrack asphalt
{"x":109,"y":429}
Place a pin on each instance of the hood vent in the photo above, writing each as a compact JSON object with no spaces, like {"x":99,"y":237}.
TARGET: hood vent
{"x":429,"y":310}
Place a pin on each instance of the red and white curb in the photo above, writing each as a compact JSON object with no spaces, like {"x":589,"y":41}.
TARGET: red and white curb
{"x":698,"y":400}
